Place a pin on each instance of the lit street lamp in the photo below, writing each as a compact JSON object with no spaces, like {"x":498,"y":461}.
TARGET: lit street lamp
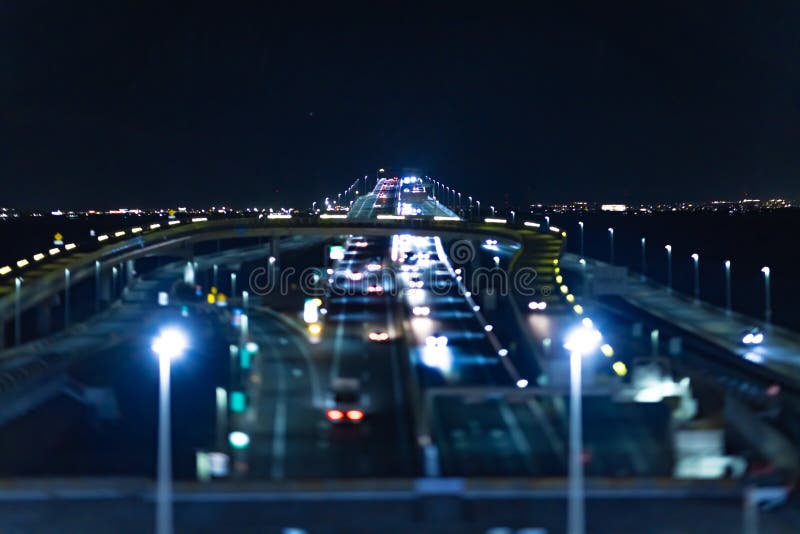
{"x":728,"y":299}
{"x":767,"y":295}
{"x":696,"y":260}
{"x":644,"y":259}
{"x":580,"y":342}
{"x":580,"y":225}
{"x":478,"y":202}
{"x":66,"y":298}
{"x":492,"y":209}
{"x":668,"y":248}
{"x":17,"y":310}
{"x":611,"y":245}
{"x":170,"y":344}
{"x":513,"y":216}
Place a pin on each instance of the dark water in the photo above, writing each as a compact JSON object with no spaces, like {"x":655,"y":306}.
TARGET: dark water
{"x":750,"y":241}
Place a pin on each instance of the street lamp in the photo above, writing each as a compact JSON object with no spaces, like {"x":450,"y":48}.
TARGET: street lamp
{"x":696,"y":260}
{"x":580,"y":225}
{"x":314,"y":206}
{"x":767,"y":296}
{"x":513,"y":216}
{"x":611,"y":245}
{"x":492,"y":209}
{"x":644,"y":259}
{"x":66,"y":298}
{"x":580,"y":342}
{"x":170,"y":344}
{"x":668,"y":248}
{"x":728,"y":299}
{"x":478,"y":202}
{"x":17,"y":310}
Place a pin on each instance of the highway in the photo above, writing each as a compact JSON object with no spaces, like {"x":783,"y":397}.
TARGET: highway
{"x":388,"y":357}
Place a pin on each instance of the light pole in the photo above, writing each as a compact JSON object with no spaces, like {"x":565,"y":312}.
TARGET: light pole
{"x":580,"y":342}
{"x":728,"y":296}
{"x":580,"y":225}
{"x":214,"y":278}
{"x":478,"y":202}
{"x":696,"y":261}
{"x":233,"y":285}
{"x":314,"y":206}
{"x":17,"y":310}
{"x":513,"y":216}
{"x":96,"y":286}
{"x":668,"y":248}
{"x":66,"y":298}
{"x":170,"y":345}
{"x":767,"y":296}
{"x":644,"y":259}
{"x":611,"y":245}
{"x":491,"y":208}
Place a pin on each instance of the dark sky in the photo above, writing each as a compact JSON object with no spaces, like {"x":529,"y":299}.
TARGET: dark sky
{"x":138,"y":103}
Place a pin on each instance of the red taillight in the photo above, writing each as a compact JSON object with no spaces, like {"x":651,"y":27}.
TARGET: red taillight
{"x":335,"y":415}
{"x":355,"y":415}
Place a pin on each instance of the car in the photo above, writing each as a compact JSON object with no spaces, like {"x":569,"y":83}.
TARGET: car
{"x":375,"y":289}
{"x":752,"y":336}
{"x":421,"y":311}
{"x":378,"y":336}
{"x":436,"y":340}
{"x":346,"y":402}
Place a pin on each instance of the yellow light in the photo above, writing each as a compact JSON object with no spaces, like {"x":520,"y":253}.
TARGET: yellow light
{"x":570,"y":298}
{"x":559,"y":279}
{"x":620,"y":368}
{"x":22,"y":263}
{"x":136,"y":230}
{"x":211,"y":298}
{"x":317,"y":302}
{"x":38,"y":257}
{"x":214,"y":290}
{"x":607,"y":350}
{"x":557,"y":270}
{"x":102,"y":237}
{"x":564,"y":289}
{"x":155,"y":226}
{"x":5,"y":270}
{"x":70,"y":246}
{"x":555,"y":261}
{"x":578,"y":309}
{"x":563,"y":234}
{"x":119,"y":234}
{"x":54,"y":251}
{"x":315,"y":329}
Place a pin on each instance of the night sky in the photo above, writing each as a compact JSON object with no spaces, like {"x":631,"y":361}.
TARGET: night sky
{"x":148,"y":104}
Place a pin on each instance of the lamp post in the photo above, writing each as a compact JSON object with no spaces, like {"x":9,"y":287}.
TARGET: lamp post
{"x":611,"y":245}
{"x":17,"y":310}
{"x":696,"y":261}
{"x":314,"y":206}
{"x":668,"y":248}
{"x":214,"y":278}
{"x":170,"y":345}
{"x":728,"y":296}
{"x":66,"y":298}
{"x":233,"y":285}
{"x":580,"y":342}
{"x":644,"y":259}
{"x":580,"y":225}
{"x":478,"y":202}
{"x":96,"y":286}
{"x":491,"y":208}
{"x":767,"y":295}
{"x":513,"y":216}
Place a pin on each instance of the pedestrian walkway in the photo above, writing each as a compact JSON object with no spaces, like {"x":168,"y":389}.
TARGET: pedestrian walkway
{"x":780,"y":351}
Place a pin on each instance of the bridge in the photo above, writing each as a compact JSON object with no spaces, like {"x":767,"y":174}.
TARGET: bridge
{"x":462,"y":408}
